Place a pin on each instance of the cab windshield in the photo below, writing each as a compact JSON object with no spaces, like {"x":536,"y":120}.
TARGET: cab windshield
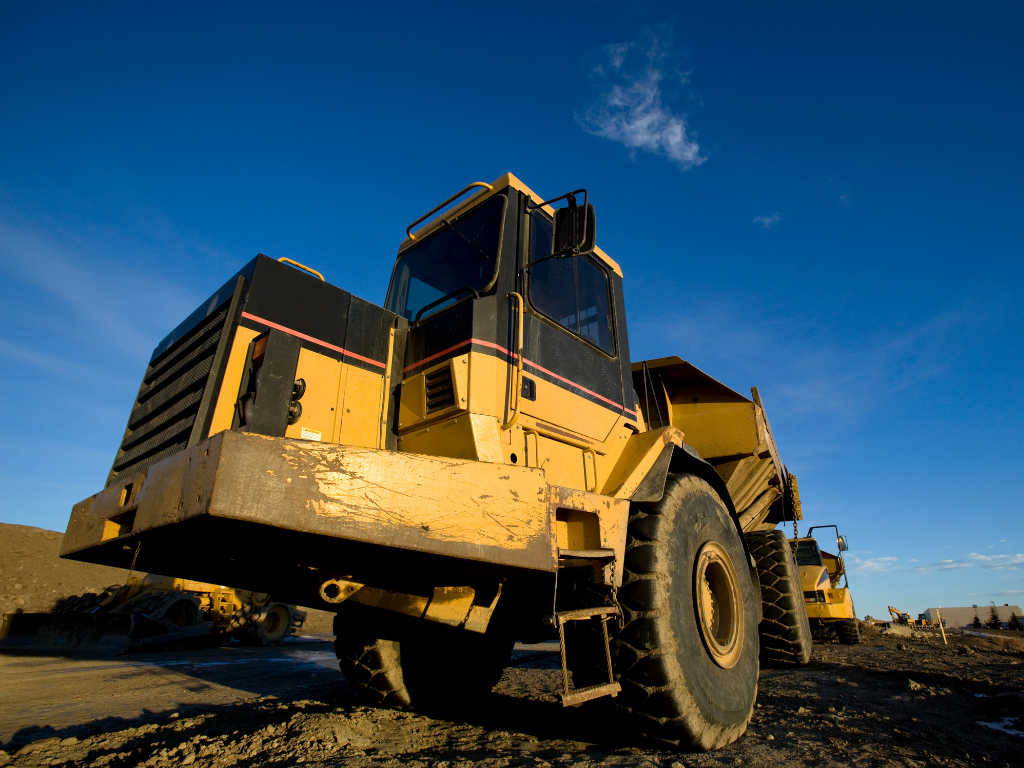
{"x":460,"y":254}
{"x":807,"y":553}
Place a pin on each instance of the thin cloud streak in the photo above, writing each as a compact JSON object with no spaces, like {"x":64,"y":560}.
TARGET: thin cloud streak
{"x":767,"y":222}
{"x":974,"y":560}
{"x":94,"y":292}
{"x":813,"y":374}
{"x":876,"y":564}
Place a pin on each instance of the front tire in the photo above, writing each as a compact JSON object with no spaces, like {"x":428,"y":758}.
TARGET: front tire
{"x":785,"y":632}
{"x":406,"y":664}
{"x":848,"y":631}
{"x":687,"y":655}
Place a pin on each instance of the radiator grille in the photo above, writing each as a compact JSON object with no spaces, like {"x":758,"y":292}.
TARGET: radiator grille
{"x":440,"y":392}
{"x":169,"y":399}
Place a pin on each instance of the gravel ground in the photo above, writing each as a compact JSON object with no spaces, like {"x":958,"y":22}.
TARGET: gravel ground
{"x":892,"y":700}
{"x":889,"y":701}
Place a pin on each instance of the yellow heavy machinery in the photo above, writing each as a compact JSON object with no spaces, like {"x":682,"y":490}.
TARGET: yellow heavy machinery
{"x":829,"y":605}
{"x":901,"y":617}
{"x":479,"y":460}
{"x":150,"y":612}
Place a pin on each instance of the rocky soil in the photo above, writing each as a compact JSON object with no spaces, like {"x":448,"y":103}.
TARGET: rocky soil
{"x":893,"y":700}
{"x":889,"y":701}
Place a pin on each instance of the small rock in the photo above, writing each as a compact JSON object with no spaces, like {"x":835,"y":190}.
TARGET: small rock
{"x":913,"y":685}
{"x":677,"y":765}
{"x":901,"y":646}
{"x":189,"y":759}
{"x":769,"y":737}
{"x":68,"y":741}
{"x":802,"y":710}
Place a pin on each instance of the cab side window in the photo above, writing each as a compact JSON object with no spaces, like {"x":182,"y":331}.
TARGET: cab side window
{"x":571,"y":291}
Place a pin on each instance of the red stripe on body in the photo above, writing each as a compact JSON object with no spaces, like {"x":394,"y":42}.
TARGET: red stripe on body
{"x":525,"y":361}
{"x":312,"y":339}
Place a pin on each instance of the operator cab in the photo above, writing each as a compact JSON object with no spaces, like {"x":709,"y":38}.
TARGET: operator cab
{"x":516,"y":321}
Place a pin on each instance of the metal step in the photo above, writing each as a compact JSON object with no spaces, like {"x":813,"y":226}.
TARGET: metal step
{"x":586,"y":554}
{"x":573,"y":696}
{"x":580,"y":695}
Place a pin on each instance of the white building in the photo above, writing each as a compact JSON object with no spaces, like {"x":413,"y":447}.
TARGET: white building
{"x":962,"y":617}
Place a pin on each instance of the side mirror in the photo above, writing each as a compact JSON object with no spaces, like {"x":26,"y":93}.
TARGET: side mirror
{"x":842,"y":544}
{"x":575,"y":229}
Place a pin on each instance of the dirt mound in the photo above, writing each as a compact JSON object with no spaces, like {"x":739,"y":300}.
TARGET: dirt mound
{"x":33,"y":577}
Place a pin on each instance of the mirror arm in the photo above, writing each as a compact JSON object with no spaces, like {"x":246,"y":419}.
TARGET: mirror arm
{"x":571,"y":196}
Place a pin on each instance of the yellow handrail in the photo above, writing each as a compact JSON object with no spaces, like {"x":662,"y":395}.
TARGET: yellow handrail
{"x":453,"y":198}
{"x":567,"y":441}
{"x":302,"y":266}
{"x":519,"y":366}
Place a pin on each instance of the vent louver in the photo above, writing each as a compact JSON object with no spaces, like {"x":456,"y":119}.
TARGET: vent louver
{"x":169,"y":399}
{"x":440,"y":392}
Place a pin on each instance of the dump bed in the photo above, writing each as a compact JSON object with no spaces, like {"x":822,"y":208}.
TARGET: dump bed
{"x":728,"y":430}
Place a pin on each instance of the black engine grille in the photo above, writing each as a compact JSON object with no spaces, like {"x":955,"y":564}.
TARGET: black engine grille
{"x":440,"y":393}
{"x":169,"y":399}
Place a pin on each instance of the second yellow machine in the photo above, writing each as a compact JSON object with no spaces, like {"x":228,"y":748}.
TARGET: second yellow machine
{"x":826,"y":588}
{"x":475,"y":462}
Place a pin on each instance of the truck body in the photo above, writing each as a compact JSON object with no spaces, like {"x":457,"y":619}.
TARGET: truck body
{"x":474,"y":456}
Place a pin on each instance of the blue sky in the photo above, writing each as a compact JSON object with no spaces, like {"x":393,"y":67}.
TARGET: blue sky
{"x":822,"y":202}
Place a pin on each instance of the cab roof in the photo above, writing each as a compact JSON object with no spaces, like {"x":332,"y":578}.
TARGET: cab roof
{"x":508,"y":180}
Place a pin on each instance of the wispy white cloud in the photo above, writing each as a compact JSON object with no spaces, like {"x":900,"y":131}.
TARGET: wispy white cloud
{"x":875,"y":564}
{"x":768,"y":221}
{"x":631,"y":109}
{"x":974,"y":560}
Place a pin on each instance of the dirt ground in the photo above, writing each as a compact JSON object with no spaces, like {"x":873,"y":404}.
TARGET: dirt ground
{"x":892,"y":700}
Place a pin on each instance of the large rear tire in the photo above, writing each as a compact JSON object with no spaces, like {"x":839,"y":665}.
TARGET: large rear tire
{"x":411,"y":665}
{"x":784,"y":631}
{"x":687,"y":655}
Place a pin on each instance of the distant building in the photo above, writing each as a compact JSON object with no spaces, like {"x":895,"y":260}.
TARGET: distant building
{"x":962,"y":617}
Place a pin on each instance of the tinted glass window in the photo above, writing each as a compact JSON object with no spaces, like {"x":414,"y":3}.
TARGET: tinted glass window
{"x":462,"y":255}
{"x":571,"y":291}
{"x":807,"y":553}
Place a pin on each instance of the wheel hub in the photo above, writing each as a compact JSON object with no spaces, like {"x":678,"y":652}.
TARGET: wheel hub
{"x":719,"y":606}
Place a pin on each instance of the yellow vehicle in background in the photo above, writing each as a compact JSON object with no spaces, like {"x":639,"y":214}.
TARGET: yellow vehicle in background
{"x":148,"y":612}
{"x":828,"y":604}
